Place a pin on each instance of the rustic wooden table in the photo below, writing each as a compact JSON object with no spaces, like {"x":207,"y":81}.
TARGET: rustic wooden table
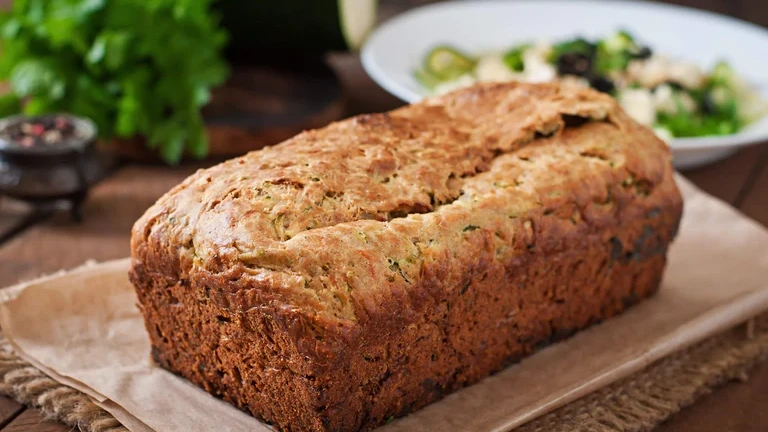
{"x":34,"y":243}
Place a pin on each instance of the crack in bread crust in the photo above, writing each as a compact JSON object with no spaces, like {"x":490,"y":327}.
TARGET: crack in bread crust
{"x":409,"y":275}
{"x":251,"y":215}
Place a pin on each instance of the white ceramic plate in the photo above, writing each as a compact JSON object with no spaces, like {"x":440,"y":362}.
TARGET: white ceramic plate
{"x":398,"y":46}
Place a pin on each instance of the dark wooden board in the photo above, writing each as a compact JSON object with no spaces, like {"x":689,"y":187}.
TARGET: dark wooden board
{"x":755,"y":201}
{"x":32,"y":420}
{"x":727,"y":179}
{"x":9,"y":409}
{"x":14,"y":216}
{"x":754,"y":10}
{"x":736,"y":407}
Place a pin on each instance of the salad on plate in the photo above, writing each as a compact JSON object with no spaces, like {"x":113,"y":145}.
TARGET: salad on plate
{"x":674,"y":97}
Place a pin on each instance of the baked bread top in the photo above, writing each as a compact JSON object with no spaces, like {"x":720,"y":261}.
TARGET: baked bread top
{"x":334,"y":220}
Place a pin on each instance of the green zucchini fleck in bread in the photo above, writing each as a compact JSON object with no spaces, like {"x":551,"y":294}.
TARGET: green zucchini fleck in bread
{"x":364,"y":270}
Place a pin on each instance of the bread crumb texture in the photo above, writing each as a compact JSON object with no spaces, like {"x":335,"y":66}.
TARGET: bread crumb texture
{"x":433,"y":226}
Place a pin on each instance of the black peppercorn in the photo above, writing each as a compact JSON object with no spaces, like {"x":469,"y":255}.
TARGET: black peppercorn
{"x":642,"y":53}
{"x":708,"y":105}
{"x":40,"y":131}
{"x":574,"y":64}
{"x":602,"y":84}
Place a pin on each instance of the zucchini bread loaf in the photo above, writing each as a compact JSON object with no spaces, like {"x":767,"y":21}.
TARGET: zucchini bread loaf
{"x":364,"y":270}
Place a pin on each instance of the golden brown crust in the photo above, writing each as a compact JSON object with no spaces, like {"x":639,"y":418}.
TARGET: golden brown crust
{"x":417,"y":250}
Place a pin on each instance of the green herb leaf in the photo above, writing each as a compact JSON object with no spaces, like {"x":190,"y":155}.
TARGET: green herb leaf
{"x":35,"y":77}
{"x":606,"y":62}
{"x":578,"y":46}
{"x":89,"y":6}
{"x":10,"y":28}
{"x":61,"y":30}
{"x":514,"y":58}
{"x":626,"y":36}
{"x":198,"y":144}
{"x":96,"y":53}
{"x":722,"y":75}
{"x":614,"y":52}
{"x":117,"y":49}
{"x":202,"y":95}
{"x":723,"y":120}
{"x":173,"y":148}
{"x":141,"y":68}
{"x":127,"y":116}
{"x":37,"y":106}
{"x":9,"y":104}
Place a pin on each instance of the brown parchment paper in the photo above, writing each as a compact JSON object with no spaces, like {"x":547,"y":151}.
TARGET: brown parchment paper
{"x":83,"y":329}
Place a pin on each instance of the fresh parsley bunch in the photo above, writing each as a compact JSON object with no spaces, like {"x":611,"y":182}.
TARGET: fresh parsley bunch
{"x":135,"y":67}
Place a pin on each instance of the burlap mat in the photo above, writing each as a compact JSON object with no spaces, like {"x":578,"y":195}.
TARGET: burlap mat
{"x":638,"y":403}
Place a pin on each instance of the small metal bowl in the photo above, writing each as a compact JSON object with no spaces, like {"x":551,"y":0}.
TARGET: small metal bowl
{"x":43,"y":174}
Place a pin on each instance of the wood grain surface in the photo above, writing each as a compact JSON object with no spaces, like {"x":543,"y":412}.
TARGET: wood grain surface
{"x":31,"y":420}
{"x":9,"y":409}
{"x":50,"y":241}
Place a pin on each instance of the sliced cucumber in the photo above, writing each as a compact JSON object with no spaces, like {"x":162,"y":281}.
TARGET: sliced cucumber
{"x":446,"y":63}
{"x":357,"y":18}
{"x":426,"y":79}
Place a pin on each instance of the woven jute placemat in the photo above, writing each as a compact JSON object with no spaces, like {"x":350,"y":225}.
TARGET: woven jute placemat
{"x":635,"y":404}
